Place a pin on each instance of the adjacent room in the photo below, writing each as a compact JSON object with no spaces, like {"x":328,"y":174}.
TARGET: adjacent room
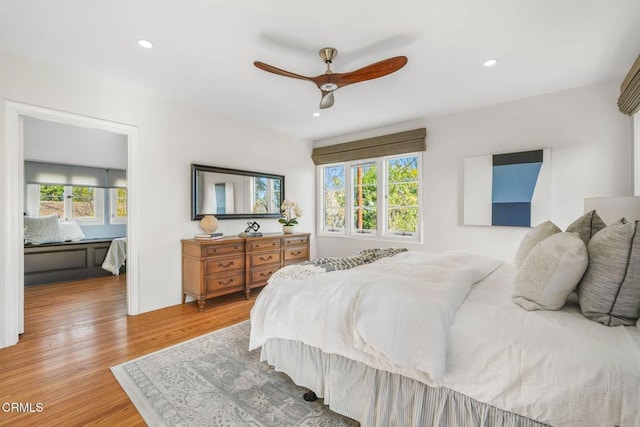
{"x":261,"y":213}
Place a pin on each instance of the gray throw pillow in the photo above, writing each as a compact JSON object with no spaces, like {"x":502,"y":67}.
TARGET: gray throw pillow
{"x":587,"y":225}
{"x":534,"y":236}
{"x":45,"y":229}
{"x":609,"y":292}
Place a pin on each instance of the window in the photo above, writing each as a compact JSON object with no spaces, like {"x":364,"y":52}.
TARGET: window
{"x":118,"y":209}
{"x":333,"y":198}
{"x":51,"y":200}
{"x":381,"y":197}
{"x":77,"y":203}
{"x":402,"y":195}
{"x":364,"y":183}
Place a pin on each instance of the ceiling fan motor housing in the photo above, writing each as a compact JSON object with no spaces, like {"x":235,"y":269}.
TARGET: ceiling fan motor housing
{"x":328,"y":54}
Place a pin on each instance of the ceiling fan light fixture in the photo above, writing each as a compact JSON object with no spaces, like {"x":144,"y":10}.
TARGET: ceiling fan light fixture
{"x":329,"y":87}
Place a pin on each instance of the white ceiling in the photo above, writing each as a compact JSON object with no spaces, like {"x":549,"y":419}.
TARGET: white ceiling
{"x":204,"y":52}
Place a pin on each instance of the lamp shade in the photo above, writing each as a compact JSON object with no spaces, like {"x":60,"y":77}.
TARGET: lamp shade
{"x":209,"y":223}
{"x":611,"y":209}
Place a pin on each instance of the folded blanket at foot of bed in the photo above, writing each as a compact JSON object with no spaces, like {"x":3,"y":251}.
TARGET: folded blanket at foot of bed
{"x":317,"y":266}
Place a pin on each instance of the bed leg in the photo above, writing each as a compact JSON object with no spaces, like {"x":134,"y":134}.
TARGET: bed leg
{"x":310,"y":396}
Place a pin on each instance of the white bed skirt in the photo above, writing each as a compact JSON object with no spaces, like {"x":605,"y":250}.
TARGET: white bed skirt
{"x":378,"y":398}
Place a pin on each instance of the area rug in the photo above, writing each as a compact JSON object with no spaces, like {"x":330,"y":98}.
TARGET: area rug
{"x":213,"y":380}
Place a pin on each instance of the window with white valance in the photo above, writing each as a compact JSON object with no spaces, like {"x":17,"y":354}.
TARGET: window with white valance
{"x":76,"y":192}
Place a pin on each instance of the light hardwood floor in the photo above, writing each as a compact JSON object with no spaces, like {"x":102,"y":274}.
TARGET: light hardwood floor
{"x":76,"y":331}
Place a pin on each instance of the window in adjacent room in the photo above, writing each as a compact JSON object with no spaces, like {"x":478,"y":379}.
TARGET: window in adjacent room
{"x":381,"y":197}
{"x":118,"y":208}
{"x":77,"y":203}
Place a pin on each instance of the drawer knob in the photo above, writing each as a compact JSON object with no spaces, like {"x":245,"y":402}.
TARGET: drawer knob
{"x":267,"y":274}
{"x":266,"y":259}
{"x":295,"y":253}
{"x":228,"y":282}
{"x":223,"y":265}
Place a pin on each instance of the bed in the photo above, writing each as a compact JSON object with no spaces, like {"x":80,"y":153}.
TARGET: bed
{"x":384,"y":345}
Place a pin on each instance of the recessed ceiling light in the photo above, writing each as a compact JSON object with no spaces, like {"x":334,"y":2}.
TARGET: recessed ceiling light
{"x":145,"y":43}
{"x":490,"y":62}
{"x":316,"y":114}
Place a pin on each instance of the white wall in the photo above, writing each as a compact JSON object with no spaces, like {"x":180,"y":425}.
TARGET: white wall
{"x":171,"y":137}
{"x":51,"y":142}
{"x":591,"y":155}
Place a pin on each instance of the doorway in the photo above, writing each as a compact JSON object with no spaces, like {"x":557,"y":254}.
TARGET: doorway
{"x":11,"y":251}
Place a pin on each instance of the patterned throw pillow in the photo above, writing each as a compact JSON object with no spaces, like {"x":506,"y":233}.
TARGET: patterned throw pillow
{"x":551,"y":272}
{"x":42,"y":230}
{"x":609,"y":292}
{"x":587,"y":225}
{"x":536,"y":235}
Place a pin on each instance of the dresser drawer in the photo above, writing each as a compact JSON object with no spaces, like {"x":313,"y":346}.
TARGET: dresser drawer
{"x":264,"y":258}
{"x":224,"y":264}
{"x":214,"y":284}
{"x":263,"y":244}
{"x":296,"y":241}
{"x":210,"y":250}
{"x":294,"y":254}
{"x":260,"y":276}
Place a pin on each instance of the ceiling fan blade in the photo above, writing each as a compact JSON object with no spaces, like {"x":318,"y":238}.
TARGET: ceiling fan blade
{"x":327,"y":99}
{"x":280,"y":72}
{"x":373,"y":71}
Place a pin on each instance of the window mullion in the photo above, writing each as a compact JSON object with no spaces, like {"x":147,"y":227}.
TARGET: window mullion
{"x":68,"y":202}
{"x":349,"y":211}
{"x":381,"y":192}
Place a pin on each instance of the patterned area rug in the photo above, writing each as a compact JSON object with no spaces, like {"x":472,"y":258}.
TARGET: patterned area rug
{"x":213,"y":380}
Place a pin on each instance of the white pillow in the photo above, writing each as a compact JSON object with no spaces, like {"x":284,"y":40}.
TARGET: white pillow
{"x":42,"y":230}
{"x":536,"y":235}
{"x":551,"y":272}
{"x":71,"y":231}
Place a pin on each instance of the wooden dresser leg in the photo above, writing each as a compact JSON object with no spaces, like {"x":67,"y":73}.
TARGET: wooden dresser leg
{"x":184,"y":298}
{"x":247,"y":293}
{"x":201,"y":304}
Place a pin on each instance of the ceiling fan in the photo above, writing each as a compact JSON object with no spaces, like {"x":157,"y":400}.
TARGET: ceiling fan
{"x":330,"y":81}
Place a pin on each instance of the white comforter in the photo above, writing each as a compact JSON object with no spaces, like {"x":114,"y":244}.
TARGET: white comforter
{"x":393,"y":314}
{"x":557,"y":367}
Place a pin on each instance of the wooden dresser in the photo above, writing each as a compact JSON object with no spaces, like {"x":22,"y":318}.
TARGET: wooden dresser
{"x":212,"y":268}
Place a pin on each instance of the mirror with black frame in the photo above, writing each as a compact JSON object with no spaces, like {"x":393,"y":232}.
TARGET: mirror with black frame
{"x":234,"y":193}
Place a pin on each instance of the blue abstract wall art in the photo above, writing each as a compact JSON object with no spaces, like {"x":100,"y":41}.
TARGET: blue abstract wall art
{"x":509,"y":189}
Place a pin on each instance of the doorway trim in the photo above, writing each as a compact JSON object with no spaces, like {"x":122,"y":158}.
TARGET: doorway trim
{"x":11,"y":226}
